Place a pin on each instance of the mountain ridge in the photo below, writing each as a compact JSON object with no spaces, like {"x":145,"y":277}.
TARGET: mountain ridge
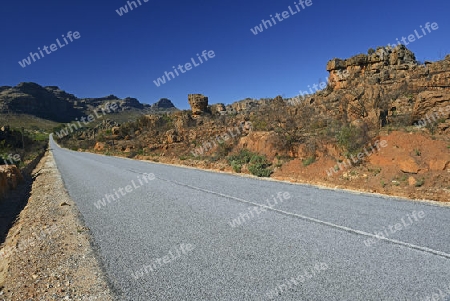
{"x":53,"y":103}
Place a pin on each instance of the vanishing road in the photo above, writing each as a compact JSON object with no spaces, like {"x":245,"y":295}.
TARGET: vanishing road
{"x":172,"y":233}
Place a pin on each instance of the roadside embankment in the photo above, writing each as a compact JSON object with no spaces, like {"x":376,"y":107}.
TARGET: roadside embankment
{"x":48,"y":254}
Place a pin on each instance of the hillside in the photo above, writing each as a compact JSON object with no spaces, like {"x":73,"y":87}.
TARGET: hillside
{"x":329,"y":135}
{"x":51,"y":104}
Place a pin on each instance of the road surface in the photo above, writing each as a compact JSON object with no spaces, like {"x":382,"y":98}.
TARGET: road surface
{"x":173,"y":233}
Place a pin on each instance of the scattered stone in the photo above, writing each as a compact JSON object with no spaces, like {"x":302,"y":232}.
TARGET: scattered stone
{"x":409,"y":165}
{"x":412,"y":181}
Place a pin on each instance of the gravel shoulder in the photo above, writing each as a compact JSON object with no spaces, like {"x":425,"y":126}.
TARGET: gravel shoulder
{"x":48,"y":253}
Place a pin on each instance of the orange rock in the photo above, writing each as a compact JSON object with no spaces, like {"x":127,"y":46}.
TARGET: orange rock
{"x":409,"y":165}
{"x":10,"y":177}
{"x":99,"y":146}
{"x":438,"y":165}
{"x":265,"y":143}
{"x":412,"y":181}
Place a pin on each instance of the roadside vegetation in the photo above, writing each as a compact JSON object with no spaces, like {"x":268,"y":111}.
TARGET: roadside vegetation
{"x":18,"y":146}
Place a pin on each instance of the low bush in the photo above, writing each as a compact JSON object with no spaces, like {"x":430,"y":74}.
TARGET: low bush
{"x":259,"y":166}
{"x":352,"y":138}
{"x":243,"y":157}
{"x":309,"y":161}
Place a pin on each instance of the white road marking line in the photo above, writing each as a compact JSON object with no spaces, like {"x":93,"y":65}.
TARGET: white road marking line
{"x":318,"y":221}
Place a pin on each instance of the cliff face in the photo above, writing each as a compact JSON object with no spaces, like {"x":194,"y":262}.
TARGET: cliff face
{"x":379,"y":66}
{"x":385,"y":85}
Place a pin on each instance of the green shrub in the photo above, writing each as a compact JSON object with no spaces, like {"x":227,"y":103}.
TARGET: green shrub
{"x":420,"y":182}
{"x":352,"y":138}
{"x":309,"y":161}
{"x":223,"y":149}
{"x":259,"y":166}
{"x":236,"y":167}
{"x":259,"y":125}
{"x":243,"y":157}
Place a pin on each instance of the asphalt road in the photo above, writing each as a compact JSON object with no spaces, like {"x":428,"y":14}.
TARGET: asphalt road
{"x":171,"y":236}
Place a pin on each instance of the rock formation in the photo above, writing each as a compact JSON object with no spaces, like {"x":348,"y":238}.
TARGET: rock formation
{"x":10,"y":177}
{"x":384,"y":86}
{"x":381,"y":65}
{"x":198,"y":103}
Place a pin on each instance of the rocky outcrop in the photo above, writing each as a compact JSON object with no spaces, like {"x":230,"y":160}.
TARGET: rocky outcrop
{"x":386,"y":86}
{"x":431,"y":105}
{"x":247,"y":105}
{"x":380,"y":65}
{"x":198,"y":103}
{"x":218,"y":108}
{"x":266,"y":143}
{"x":10,"y":177}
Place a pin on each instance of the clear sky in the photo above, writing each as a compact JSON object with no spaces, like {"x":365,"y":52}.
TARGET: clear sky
{"x":124,"y":55}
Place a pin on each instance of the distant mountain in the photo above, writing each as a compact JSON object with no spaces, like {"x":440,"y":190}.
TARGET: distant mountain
{"x":163,"y":104}
{"x":52,"y":103}
{"x":33,"y":99}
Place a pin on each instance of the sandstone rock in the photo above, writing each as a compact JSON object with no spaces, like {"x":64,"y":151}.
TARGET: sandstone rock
{"x":172,"y":136}
{"x":409,"y":165}
{"x":218,"y":108}
{"x":198,"y":103}
{"x":298,"y":151}
{"x":357,"y":60}
{"x":266,"y":143}
{"x":336,"y":64}
{"x":10,"y":177}
{"x":375,"y":67}
{"x":431,"y":106}
{"x":192,"y":135}
{"x":115,"y":130}
{"x":129,"y":149}
{"x":412,"y":181}
{"x":439,"y":164}
{"x":247,"y":105}
{"x":99,"y":146}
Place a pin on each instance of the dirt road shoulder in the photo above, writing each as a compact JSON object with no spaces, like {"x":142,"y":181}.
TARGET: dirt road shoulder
{"x":47,"y":254}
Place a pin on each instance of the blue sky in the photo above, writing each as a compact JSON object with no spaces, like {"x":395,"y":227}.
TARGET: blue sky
{"x":123,"y":55}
